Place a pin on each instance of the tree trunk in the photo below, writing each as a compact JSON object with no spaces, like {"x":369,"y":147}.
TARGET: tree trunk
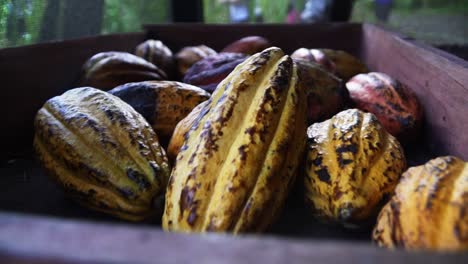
{"x":82,"y":18}
{"x":49,"y":24}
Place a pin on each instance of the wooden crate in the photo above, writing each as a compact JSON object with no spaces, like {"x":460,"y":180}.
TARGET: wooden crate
{"x":38,"y":225}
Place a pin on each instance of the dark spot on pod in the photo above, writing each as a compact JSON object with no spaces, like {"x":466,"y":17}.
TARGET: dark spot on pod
{"x":110,"y":114}
{"x":94,"y":125}
{"x":250,"y":130}
{"x":192,"y":216}
{"x":337,"y":193}
{"x":126,"y":192}
{"x":184,"y":147}
{"x":344,"y":162}
{"x":395,"y":107}
{"x":281,"y":80}
{"x":188,"y":202}
{"x":323,"y":175}
{"x":395,"y":215}
{"x":242,"y":152}
{"x":342,"y":149}
{"x":138,"y":178}
{"x":156,"y":168}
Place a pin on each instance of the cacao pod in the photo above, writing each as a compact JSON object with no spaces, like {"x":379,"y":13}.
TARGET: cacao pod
{"x":178,"y":137}
{"x":162,"y":103}
{"x":326,"y":94}
{"x":248,"y":45}
{"x":158,"y":54}
{"x":188,"y":56}
{"x":338,"y":62}
{"x":239,"y":160}
{"x":103,"y":153}
{"x":396,"y":106}
{"x":107,"y":70}
{"x":352,"y":164}
{"x":429,"y":210}
{"x":210,"y":71}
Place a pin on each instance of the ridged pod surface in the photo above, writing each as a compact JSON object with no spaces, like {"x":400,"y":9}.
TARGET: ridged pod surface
{"x":107,"y":70}
{"x":239,"y":160}
{"x":188,"y":56}
{"x":180,"y":131}
{"x":338,"y":62}
{"x":326,"y":94}
{"x":352,"y":164}
{"x":394,"y":104}
{"x":162,"y":103}
{"x":210,"y":71}
{"x":248,"y":45}
{"x":429,"y":210}
{"x":103,"y":153}
{"x":157,"y":53}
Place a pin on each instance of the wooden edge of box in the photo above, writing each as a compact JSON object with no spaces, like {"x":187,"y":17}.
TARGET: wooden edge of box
{"x":33,"y":238}
{"x":439,"y":79}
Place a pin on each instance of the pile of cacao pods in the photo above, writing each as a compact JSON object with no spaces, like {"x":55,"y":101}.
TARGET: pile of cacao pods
{"x":213,"y":141}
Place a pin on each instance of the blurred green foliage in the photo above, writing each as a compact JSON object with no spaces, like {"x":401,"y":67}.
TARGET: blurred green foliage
{"x":129,"y":15}
{"x":20,"y":20}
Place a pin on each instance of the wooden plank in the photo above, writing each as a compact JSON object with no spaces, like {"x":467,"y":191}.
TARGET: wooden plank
{"x":32,"y":74}
{"x":71,"y":241}
{"x":439,"y":79}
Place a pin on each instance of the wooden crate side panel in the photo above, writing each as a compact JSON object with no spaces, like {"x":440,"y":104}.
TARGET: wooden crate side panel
{"x":22,"y":235}
{"x":30,"y":75}
{"x":439,"y":79}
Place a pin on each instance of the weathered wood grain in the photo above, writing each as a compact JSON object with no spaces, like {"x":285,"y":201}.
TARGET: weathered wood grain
{"x":84,"y":242}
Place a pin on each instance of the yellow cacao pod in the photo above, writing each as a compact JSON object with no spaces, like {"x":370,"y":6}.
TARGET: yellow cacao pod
{"x":103,"y":153}
{"x":240,"y":156}
{"x":178,"y":137}
{"x":429,"y":210}
{"x":162,"y":103}
{"x":352,"y":164}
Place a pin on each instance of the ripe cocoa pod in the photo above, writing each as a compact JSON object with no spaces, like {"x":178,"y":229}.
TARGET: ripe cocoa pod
{"x":338,"y":62}
{"x":188,"y":56}
{"x":158,"y":54}
{"x":210,"y":71}
{"x":248,"y":45}
{"x":352,"y":164}
{"x":180,"y":131}
{"x":429,"y":208}
{"x":326,"y":94}
{"x":107,"y":70}
{"x":162,"y":103}
{"x":239,"y":160}
{"x":394,"y":104}
{"x":102,"y":153}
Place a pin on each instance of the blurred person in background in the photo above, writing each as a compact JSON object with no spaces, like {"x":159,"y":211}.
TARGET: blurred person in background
{"x":327,"y":11}
{"x":383,"y":9}
{"x":292,"y":14}
{"x":238,"y":10}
